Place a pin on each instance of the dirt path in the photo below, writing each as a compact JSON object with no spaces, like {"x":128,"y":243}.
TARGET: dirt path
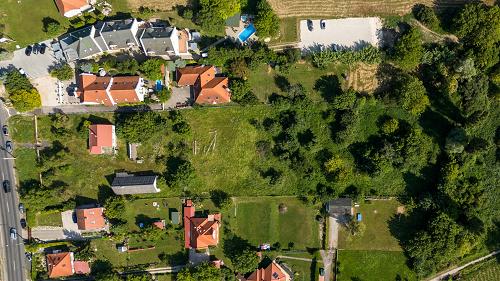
{"x":456,"y":270}
{"x":450,"y":37}
{"x":296,"y":258}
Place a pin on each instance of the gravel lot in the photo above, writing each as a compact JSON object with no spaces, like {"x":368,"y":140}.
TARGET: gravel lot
{"x":347,"y":32}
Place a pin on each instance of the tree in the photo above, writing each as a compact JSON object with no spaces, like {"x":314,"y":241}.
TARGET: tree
{"x":245,"y":261}
{"x":478,"y":26}
{"x":337,"y":168}
{"x":241,"y":92}
{"x":17,"y":81}
{"x":408,"y":50}
{"x":115,"y":207}
{"x":25,"y":100}
{"x":426,"y":15}
{"x":221,"y":199}
{"x":389,"y":126}
{"x":266,"y":22}
{"x":473,"y":96}
{"x":344,"y":100}
{"x":139,"y":127}
{"x":62,"y":72}
{"x":412,"y":95}
{"x":238,"y":68}
{"x":164,"y":94}
{"x":51,"y":26}
{"x":213,"y":13}
{"x":151,"y":68}
{"x":203,"y":271}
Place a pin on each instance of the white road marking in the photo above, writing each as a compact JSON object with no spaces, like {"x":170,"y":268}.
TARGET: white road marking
{"x":8,"y":209}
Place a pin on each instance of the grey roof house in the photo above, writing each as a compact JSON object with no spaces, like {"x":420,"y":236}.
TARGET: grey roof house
{"x":118,"y":34}
{"x":339,"y":206}
{"x":125,"y":183}
{"x":157,"y":41}
{"x":80,"y":44}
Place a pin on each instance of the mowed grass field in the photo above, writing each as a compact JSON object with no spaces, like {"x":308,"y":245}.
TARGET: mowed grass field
{"x":353,"y":8}
{"x":377,"y":236}
{"x":488,"y":270}
{"x":372,"y":266}
{"x":258,"y":220}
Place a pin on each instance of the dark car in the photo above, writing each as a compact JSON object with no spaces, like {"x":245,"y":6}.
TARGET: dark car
{"x":73,"y":216}
{"x":42,"y":48}
{"x":28,"y":50}
{"x":28,"y":256}
{"x":310,"y":25}
{"x":21,"y":208}
{"x":322,"y":24}
{"x":23,"y":223}
{"x":13,"y":233}
{"x":8,"y":146}
{"x":321,"y":271}
{"x":6,"y":186}
{"x":36,"y":48}
{"x":5,"y":130}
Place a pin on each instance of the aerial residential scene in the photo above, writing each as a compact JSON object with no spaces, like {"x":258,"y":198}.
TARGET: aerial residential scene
{"x":250,"y":140}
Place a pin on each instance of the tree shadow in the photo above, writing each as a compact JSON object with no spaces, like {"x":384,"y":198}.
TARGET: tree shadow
{"x":141,"y":218}
{"x":178,"y":258}
{"x":435,"y":125}
{"x":46,"y":21}
{"x":328,"y":86}
{"x":94,"y":119}
{"x":312,"y":269}
{"x":83,"y":201}
{"x":219,"y":197}
{"x":234,"y":246}
{"x":282,"y":82}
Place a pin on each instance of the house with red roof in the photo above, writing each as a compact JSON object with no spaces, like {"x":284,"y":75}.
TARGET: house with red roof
{"x":109,"y":91}
{"x":63,"y":264}
{"x":102,"y":139}
{"x":200,"y":232}
{"x":273,"y":272}
{"x":90,"y":219}
{"x":207,"y":87}
{"x":71,"y":8}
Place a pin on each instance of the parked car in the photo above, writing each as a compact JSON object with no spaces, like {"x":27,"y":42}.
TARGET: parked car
{"x":8,"y":146}
{"x":28,"y":256}
{"x":28,"y":50}
{"x":321,"y":271}
{"x":42,"y":48}
{"x":73,"y":216}
{"x":13,"y":233}
{"x":310,"y":25}
{"x":21,"y":208}
{"x":23,"y":223}
{"x":6,"y":186}
{"x":5,"y":130}
{"x":322,"y":24}
{"x":36,"y":48}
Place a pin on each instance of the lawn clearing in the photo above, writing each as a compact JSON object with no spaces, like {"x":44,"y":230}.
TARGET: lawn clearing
{"x":372,"y":265}
{"x":142,"y":210}
{"x":303,"y":270}
{"x":376,"y":215}
{"x":23,"y":19}
{"x":22,"y":129}
{"x":52,"y":218}
{"x":288,"y":32}
{"x":258,"y":220}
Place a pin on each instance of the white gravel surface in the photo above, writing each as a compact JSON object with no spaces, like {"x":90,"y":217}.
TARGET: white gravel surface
{"x":346,"y":32}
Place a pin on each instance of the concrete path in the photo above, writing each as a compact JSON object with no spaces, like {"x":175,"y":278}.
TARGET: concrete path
{"x":456,"y":270}
{"x":296,"y":258}
{"x":333,"y":237}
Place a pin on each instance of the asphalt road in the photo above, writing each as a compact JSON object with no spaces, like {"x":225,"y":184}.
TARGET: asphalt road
{"x":13,"y":255}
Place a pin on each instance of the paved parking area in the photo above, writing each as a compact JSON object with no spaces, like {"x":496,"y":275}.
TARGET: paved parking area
{"x":179,"y":95}
{"x":35,"y":66}
{"x":348,"y":32}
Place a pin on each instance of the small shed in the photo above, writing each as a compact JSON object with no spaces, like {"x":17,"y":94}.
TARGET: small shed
{"x":340,"y":206}
{"x":174,"y":216}
{"x":359,"y":217}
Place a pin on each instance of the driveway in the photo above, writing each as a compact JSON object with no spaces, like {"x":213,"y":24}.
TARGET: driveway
{"x":179,"y":95}
{"x":46,"y":233}
{"x":67,"y":221}
{"x":349,"y":32}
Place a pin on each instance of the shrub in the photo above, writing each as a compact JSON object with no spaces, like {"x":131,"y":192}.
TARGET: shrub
{"x":25,"y":100}
{"x":152,"y":68}
{"x":368,"y":54}
{"x":62,"y":72}
{"x":267,"y":22}
{"x":408,"y":50}
{"x":426,"y":15}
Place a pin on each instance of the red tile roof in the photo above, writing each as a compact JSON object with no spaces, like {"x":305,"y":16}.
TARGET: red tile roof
{"x":273,"y":272}
{"x":90,"y":219}
{"x":95,"y":89}
{"x":100,"y":136}
{"x":60,"y":264}
{"x":159,"y":224}
{"x":67,"y":5}
{"x":82,"y":267}
{"x":208,"y":89}
{"x":187,"y":76}
{"x":200,"y":233}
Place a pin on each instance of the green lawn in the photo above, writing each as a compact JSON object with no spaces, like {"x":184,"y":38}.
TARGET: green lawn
{"x":22,"y":129}
{"x":258,"y":220}
{"x":23,"y":19}
{"x":288,"y":31}
{"x":142,"y":210}
{"x":52,"y":218}
{"x":264,"y":80}
{"x":372,"y":265}
{"x":304,"y":270}
{"x":377,"y":236}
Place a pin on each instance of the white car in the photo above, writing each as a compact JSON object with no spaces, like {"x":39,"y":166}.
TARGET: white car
{"x":13,"y":233}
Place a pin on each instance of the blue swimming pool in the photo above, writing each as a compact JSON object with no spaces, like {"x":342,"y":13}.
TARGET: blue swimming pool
{"x":246,"y":33}
{"x":159,"y":86}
